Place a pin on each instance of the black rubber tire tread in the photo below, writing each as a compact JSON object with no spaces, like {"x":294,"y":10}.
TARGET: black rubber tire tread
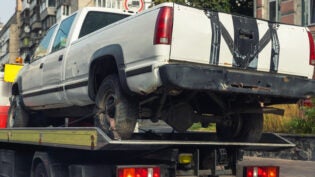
{"x":18,"y":113}
{"x":126,"y":110}
{"x":250,"y":130}
{"x":252,"y":127}
{"x":40,"y":170}
{"x":229,"y":132}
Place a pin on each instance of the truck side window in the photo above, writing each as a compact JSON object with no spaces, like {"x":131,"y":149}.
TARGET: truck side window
{"x":62,"y":34}
{"x":95,"y":20}
{"x":42,"y":48}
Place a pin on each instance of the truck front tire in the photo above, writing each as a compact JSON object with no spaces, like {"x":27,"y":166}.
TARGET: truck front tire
{"x":17,"y":116}
{"x":116,"y":113}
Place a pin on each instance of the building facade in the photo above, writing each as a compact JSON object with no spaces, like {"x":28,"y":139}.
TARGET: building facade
{"x":296,"y":12}
{"x":9,"y":41}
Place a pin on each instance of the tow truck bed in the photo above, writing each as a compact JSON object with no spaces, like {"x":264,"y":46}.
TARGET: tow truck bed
{"x":87,"y":151}
{"x":91,"y":138}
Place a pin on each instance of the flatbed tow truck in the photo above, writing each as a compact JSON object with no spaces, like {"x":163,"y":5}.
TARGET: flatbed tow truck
{"x":88,"y":152}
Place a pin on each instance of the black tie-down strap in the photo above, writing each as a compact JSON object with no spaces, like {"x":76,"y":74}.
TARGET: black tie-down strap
{"x":242,"y":61}
{"x":274,"y":63}
{"x":216,"y":36}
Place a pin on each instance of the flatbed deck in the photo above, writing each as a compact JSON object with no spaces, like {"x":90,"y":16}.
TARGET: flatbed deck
{"x":91,"y":138}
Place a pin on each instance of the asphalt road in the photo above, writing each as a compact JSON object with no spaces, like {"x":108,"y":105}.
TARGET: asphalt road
{"x":288,"y":168}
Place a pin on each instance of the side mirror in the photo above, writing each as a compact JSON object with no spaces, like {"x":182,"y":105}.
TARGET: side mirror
{"x":27,"y":59}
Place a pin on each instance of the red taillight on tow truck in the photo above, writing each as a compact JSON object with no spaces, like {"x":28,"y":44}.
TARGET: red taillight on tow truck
{"x":128,"y":171}
{"x":164,"y":26}
{"x":312,"y":48}
{"x":261,"y":171}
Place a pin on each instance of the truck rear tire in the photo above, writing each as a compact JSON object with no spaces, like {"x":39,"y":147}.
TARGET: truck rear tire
{"x":17,"y":116}
{"x":40,"y":170}
{"x":116,"y":113}
{"x":245,"y":127}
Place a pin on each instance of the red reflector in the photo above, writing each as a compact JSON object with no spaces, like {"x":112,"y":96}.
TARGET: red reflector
{"x":249,"y":172}
{"x":268,"y":171}
{"x":156,"y":172}
{"x":312,"y":48}
{"x":138,"y":172}
{"x":141,"y":172}
{"x":262,"y":172}
{"x":307,"y":103}
{"x":164,"y":26}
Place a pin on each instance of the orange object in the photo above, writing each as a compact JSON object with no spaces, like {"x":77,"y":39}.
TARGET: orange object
{"x":19,"y":60}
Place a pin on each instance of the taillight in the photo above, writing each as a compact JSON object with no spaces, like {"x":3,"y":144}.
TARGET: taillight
{"x":312,"y":48}
{"x":269,"y":171}
{"x":164,"y":26}
{"x":138,"y":172}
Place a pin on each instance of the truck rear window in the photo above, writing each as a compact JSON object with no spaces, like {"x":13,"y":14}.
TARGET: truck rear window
{"x":96,"y":20}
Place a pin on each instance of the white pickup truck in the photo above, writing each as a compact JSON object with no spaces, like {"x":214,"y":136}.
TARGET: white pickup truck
{"x":171,"y":62}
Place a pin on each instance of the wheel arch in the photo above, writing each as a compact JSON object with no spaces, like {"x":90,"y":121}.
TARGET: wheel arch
{"x":53,"y":166}
{"x":105,"y":61}
{"x":41,"y":157}
{"x":16,"y":90}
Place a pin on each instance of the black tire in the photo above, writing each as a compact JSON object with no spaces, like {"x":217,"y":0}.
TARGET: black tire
{"x":116,"y":113}
{"x":241,"y":127}
{"x":40,"y":170}
{"x":17,"y":116}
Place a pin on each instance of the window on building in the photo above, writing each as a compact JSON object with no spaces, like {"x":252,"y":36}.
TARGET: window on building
{"x":100,"y":3}
{"x":42,"y":48}
{"x":312,"y":12}
{"x":44,"y":24}
{"x":109,"y":4}
{"x":65,"y":10}
{"x":50,"y":21}
{"x":273,"y":10}
{"x":51,"y":3}
{"x":96,"y":20}
{"x":62,"y":34}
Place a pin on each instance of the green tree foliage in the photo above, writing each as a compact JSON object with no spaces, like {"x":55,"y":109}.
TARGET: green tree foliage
{"x":217,"y":5}
{"x":305,"y":125}
{"x":244,"y":7}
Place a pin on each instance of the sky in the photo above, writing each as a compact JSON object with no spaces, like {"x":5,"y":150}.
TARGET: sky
{"x":7,"y":8}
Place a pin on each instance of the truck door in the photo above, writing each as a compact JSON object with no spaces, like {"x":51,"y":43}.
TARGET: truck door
{"x":32,"y":74}
{"x":53,"y":65}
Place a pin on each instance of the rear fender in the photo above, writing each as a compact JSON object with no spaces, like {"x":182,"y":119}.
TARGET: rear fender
{"x":116,"y":52}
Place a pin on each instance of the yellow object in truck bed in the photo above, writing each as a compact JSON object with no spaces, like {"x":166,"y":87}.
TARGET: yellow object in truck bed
{"x":11,"y":71}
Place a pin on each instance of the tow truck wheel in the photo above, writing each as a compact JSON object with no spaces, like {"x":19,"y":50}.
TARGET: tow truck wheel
{"x":241,"y":127}
{"x":17,"y":116}
{"x":40,"y":170}
{"x":117,"y":114}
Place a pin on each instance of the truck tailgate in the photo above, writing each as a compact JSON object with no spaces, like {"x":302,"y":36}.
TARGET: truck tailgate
{"x":215,"y":38}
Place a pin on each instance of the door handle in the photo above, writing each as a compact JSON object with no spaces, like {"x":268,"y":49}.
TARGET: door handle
{"x":41,"y":65}
{"x":60,"y":58}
